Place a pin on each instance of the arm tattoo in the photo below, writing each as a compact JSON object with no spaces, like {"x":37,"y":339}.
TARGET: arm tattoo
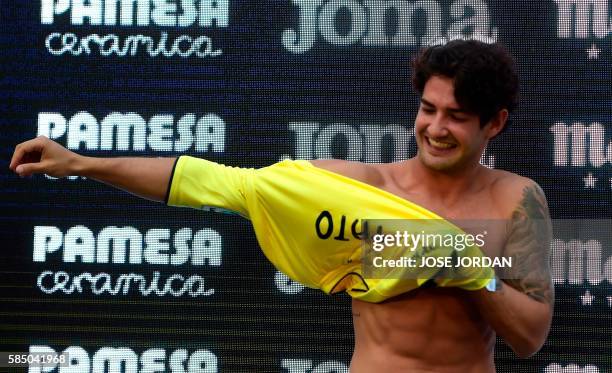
{"x":529,"y":244}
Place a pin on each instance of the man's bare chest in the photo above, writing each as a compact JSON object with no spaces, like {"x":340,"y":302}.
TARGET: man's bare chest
{"x":476,"y":214}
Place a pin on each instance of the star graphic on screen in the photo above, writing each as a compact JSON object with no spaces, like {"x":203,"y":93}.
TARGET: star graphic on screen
{"x":589,"y":181}
{"x":593,"y":52}
{"x":587,"y":299}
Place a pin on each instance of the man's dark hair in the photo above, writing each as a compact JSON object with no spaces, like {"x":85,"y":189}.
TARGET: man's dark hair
{"x":484,"y":75}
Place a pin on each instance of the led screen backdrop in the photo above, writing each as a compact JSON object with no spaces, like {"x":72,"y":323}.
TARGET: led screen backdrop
{"x":126,"y":282}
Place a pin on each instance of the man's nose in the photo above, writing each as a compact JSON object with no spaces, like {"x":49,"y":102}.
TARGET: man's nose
{"x":438,"y":126}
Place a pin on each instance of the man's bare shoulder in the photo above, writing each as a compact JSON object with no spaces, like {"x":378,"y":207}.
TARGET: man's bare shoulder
{"x":511,"y":190}
{"x":364,"y":172}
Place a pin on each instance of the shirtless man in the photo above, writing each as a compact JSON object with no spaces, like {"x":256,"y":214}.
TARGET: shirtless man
{"x":428,"y":329}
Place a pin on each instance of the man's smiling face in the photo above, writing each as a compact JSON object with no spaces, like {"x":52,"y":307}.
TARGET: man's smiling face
{"x":448,"y":138}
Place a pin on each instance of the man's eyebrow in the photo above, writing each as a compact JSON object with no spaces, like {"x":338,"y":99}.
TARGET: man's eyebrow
{"x":452,"y":110}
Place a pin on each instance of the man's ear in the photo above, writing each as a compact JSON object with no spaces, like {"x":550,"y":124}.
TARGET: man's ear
{"x":497,"y":123}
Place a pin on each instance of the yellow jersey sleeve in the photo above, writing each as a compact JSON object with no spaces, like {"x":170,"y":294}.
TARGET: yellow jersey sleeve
{"x":206,"y":185}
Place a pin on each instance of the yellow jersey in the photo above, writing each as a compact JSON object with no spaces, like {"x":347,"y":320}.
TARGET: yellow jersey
{"x":307,"y":221}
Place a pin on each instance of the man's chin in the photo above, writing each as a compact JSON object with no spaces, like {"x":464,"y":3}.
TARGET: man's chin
{"x":439,"y":164}
{"x":440,"y":167}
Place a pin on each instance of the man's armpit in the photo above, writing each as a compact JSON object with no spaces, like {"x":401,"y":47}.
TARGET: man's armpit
{"x":529,"y":244}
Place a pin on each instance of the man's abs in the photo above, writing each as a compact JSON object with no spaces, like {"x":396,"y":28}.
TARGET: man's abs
{"x":426,"y":330}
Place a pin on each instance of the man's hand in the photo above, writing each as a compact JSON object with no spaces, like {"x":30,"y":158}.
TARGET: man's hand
{"x":42,"y":155}
{"x":145,"y":177}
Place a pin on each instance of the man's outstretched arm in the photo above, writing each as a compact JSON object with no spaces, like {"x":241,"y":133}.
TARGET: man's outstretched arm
{"x":144,"y":177}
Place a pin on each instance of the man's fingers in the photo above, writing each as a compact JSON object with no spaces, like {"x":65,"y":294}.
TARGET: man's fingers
{"x":28,"y":169}
{"x":21,"y":151}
